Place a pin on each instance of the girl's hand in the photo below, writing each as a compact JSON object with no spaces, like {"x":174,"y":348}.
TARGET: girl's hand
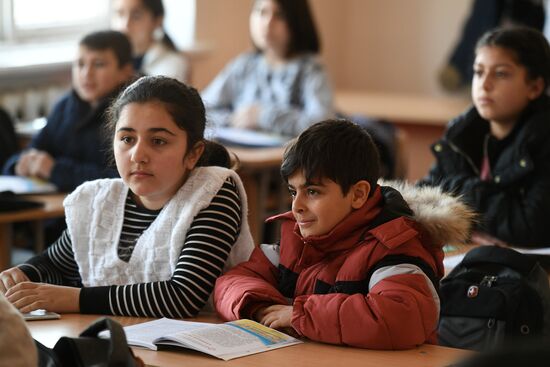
{"x":275,"y":316}
{"x":28,"y":296}
{"x":11,"y":277}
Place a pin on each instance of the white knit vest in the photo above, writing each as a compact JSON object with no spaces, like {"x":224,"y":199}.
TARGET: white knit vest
{"x":95,"y":213}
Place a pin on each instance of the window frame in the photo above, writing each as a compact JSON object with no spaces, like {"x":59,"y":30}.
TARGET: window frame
{"x":34,"y":61}
{"x":10,"y":34}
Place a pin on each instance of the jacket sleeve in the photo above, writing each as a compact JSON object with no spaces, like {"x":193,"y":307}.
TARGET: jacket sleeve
{"x":399,"y":312}
{"x":317,"y":105}
{"x":247,"y":287}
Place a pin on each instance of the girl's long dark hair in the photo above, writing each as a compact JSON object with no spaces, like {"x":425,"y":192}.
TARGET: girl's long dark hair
{"x":184,"y":105}
{"x":157,"y":9}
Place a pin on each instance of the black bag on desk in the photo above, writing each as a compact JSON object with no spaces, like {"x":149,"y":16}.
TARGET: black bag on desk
{"x":494,"y":295}
{"x":10,"y":202}
{"x":89,"y":350}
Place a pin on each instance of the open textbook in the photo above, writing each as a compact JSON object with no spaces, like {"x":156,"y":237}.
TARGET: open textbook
{"x":225,"y":341}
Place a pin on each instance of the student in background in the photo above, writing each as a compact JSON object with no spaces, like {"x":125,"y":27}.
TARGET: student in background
{"x":356,"y":264}
{"x":281,"y":86}
{"x":496,"y":155}
{"x":153,"y":242}
{"x":154,"y":52}
{"x":69,"y":149}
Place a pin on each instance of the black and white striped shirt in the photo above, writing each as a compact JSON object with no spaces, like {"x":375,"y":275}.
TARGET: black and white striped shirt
{"x":207,"y":245}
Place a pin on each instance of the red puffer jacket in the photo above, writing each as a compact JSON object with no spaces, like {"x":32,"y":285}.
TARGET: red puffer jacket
{"x":368,"y":283}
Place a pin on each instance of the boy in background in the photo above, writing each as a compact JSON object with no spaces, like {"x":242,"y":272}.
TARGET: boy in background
{"x":69,"y":149}
{"x":357,"y":264}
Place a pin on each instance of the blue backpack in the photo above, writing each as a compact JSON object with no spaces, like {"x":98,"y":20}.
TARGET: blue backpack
{"x":494,"y":295}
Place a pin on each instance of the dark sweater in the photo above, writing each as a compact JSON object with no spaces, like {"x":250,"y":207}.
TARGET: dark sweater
{"x":73,"y":137}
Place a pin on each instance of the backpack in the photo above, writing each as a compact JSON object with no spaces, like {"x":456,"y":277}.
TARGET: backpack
{"x":493,"y":296}
{"x":89,"y":350}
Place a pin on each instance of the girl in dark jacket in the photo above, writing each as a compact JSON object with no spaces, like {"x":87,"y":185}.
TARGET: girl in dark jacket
{"x":497,"y":154}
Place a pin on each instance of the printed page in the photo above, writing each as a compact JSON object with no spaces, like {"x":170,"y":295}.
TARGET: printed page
{"x":232,"y":340}
{"x":147,"y":333}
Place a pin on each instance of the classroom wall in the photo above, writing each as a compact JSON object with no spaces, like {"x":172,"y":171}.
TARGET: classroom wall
{"x":222,"y":28}
{"x":382,"y":45}
{"x":388,"y":45}
{"x":402,"y":43}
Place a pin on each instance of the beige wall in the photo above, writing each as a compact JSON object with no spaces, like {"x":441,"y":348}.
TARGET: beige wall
{"x":387,"y":45}
{"x":222,"y":26}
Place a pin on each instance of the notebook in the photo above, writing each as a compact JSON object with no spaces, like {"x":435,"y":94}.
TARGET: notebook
{"x":26,"y":185}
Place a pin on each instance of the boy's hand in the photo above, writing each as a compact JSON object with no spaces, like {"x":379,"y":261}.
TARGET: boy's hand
{"x":11,"y":277}
{"x":28,"y":296}
{"x":275,"y":316}
{"x":35,"y":163}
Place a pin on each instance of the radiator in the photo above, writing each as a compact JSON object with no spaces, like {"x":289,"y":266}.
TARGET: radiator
{"x":31,"y":103}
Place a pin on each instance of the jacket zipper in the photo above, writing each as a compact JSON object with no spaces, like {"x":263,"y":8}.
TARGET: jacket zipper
{"x":468,"y":159}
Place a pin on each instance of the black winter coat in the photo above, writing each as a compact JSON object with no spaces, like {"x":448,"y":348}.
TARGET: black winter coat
{"x":514,"y":205}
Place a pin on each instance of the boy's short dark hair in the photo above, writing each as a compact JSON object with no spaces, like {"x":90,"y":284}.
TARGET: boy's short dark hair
{"x":110,"y":40}
{"x":335,"y":149}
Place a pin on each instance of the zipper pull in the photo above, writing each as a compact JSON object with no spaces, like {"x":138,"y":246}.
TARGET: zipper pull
{"x":488,"y":280}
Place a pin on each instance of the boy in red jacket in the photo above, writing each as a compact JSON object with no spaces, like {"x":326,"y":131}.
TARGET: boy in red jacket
{"x":357,"y":264}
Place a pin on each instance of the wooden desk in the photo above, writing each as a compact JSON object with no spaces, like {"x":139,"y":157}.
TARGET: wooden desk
{"x":257,"y":167}
{"x":307,"y":354}
{"x":422,"y":118}
{"x":53,"y":208}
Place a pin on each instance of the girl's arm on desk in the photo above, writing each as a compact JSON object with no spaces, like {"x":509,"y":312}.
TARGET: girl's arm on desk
{"x":181,"y":296}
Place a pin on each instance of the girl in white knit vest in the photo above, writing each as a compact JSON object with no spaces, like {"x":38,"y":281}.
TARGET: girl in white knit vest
{"x":153,"y":242}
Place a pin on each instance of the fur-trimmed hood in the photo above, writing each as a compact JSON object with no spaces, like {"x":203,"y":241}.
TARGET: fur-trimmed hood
{"x":445,"y":218}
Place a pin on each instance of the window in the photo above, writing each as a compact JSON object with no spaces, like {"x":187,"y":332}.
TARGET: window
{"x":179,"y":21}
{"x":39,"y":36}
{"x":38,"y":19}
{"x":34,"y":20}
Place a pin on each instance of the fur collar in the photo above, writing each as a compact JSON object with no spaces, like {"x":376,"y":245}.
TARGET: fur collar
{"x":444,"y":217}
